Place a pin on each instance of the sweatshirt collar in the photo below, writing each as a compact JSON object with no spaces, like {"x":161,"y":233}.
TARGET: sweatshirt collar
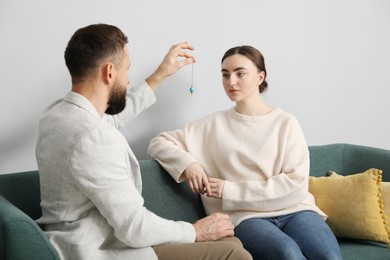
{"x":247,"y":118}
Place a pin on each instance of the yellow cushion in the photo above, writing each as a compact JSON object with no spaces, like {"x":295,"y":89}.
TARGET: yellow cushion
{"x":354,"y":204}
{"x":386,"y":198}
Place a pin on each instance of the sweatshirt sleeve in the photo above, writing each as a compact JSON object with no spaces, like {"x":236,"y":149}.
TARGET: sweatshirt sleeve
{"x":170,"y":150}
{"x":100,"y":169}
{"x":282,"y":189}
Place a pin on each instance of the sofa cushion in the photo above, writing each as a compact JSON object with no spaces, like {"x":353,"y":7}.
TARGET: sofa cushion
{"x":386,"y":198}
{"x":354,"y":204}
{"x":352,"y":249}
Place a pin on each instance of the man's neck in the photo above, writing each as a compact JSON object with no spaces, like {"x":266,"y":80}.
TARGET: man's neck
{"x":96,"y":93}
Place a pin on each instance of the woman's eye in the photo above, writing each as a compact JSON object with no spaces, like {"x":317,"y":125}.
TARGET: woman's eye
{"x":241,"y":74}
{"x":225,"y":76}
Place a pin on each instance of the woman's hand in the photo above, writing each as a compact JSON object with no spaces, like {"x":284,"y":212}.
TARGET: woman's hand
{"x":216,"y":186}
{"x":197,"y":179}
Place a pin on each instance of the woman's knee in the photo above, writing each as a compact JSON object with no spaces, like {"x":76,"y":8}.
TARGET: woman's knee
{"x":324,"y":253}
{"x":289,"y":252}
{"x":283,"y":249}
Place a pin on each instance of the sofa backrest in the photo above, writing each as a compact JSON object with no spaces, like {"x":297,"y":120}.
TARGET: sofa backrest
{"x":167,"y":198}
{"x":324,"y":158}
{"x":23,"y":191}
{"x":347,"y":159}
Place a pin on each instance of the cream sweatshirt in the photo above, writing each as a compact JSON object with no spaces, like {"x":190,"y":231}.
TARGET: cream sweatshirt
{"x":264,"y":161}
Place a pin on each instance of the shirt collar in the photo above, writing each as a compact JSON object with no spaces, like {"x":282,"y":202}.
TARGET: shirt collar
{"x":80,"y":101}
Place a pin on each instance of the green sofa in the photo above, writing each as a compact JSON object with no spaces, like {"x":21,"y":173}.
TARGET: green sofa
{"x":21,"y":237}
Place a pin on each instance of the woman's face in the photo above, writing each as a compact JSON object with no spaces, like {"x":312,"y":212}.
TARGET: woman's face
{"x":240,"y":77}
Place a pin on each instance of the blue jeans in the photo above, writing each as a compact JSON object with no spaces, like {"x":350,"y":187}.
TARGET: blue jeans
{"x":301,"y":235}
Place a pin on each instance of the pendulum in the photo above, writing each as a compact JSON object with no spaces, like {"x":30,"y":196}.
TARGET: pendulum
{"x":192,"y":89}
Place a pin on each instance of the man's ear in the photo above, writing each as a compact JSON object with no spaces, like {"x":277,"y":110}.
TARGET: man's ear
{"x":108,"y":73}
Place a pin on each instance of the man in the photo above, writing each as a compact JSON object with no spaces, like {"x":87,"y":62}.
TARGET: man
{"x":90,"y":179}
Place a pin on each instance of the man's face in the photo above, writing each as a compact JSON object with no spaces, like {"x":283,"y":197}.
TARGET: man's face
{"x":117,"y":100}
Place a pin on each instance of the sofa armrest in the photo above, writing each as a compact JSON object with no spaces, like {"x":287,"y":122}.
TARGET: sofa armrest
{"x":20,"y":237}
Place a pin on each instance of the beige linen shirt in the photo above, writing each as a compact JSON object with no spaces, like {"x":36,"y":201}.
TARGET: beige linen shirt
{"x":90,"y":180}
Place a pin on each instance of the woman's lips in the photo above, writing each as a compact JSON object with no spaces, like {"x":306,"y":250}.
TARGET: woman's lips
{"x":233,"y":91}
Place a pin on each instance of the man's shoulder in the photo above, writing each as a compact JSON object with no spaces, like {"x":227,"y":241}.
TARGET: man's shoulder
{"x":70,"y":122}
{"x":64,"y":113}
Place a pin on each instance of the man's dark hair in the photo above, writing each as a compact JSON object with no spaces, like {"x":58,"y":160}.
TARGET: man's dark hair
{"x":91,"y":45}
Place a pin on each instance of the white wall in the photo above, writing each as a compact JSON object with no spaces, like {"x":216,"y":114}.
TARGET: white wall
{"x":327,"y":61}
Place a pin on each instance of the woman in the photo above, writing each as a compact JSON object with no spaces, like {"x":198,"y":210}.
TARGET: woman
{"x":252,"y":163}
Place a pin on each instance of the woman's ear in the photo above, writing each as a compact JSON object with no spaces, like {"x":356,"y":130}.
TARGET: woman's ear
{"x":261,"y":77}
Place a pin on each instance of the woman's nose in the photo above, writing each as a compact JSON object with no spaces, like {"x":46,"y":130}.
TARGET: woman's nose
{"x":232,"y":81}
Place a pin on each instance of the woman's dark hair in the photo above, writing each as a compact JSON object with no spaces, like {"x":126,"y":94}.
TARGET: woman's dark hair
{"x":254,"y":55}
{"x":91,"y":45}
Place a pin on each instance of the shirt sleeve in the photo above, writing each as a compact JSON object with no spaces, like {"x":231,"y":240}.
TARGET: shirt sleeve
{"x":138,"y":99}
{"x":101,"y":170}
{"x":281,"y":190}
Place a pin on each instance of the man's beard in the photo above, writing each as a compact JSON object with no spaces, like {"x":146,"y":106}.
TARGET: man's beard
{"x":117,"y":100}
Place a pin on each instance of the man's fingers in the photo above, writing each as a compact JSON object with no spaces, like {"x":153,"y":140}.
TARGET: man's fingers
{"x":182,"y":45}
{"x":185,"y":62}
{"x":184,"y":54}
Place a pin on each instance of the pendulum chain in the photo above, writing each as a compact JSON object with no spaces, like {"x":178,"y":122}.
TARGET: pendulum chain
{"x":192,"y":89}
